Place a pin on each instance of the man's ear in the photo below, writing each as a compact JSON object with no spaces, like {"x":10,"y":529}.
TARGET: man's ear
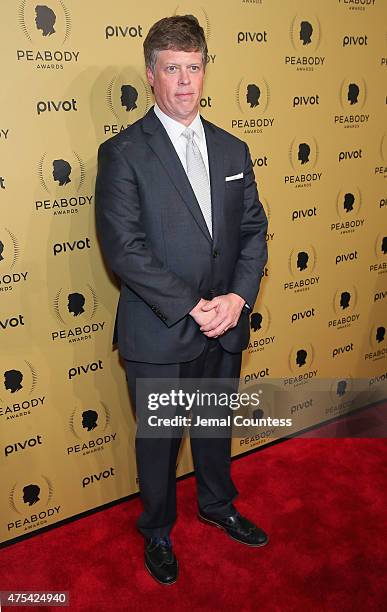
{"x":150,"y":76}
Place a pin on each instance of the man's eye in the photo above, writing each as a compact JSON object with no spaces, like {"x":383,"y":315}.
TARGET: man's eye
{"x":171,"y":68}
{"x":194,"y":68}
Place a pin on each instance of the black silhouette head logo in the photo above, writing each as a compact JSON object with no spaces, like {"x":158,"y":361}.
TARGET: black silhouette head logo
{"x":349,"y":200}
{"x":76,"y":303}
{"x":89,"y":419}
{"x":129,"y":95}
{"x":253,"y":93}
{"x":258,"y":413}
{"x":61,"y":171}
{"x":302,"y":260}
{"x":306,"y":31}
{"x":12,"y":380}
{"x":345,"y":298}
{"x":1,"y":251}
{"x":301,"y":357}
{"x":353,"y":93}
{"x":31,"y":494}
{"x":341,"y":387}
{"x":303,"y":152}
{"x":256,"y":321}
{"x":380,"y":333}
{"x":45,"y":19}
{"x":384,"y":245}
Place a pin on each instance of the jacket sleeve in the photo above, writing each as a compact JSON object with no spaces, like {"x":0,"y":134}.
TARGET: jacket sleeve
{"x":253,"y":247}
{"x":124,"y":242}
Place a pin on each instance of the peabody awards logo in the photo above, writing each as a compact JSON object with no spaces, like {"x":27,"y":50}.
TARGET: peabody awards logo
{"x":352,"y":96}
{"x":47,"y":28}
{"x":305,"y":37}
{"x":341,"y":395}
{"x":300,"y":362}
{"x":90,"y":426}
{"x":75,"y":310}
{"x":381,"y":169}
{"x":301,"y":265}
{"x":128,"y":98}
{"x":18,"y":396}
{"x":260,"y":337}
{"x":357,"y":5}
{"x":348,"y":205}
{"x":62,"y":175}
{"x":377,"y":343}
{"x":380,"y":250}
{"x":253,"y":101}
{"x":344,"y":305}
{"x":32,"y":500}
{"x":303,"y":157}
{"x":10,"y":276}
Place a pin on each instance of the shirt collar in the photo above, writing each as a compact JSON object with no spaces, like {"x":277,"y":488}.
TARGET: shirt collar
{"x":175,"y":128}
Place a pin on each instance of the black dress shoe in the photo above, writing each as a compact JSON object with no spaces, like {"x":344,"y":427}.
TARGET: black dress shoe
{"x":239,"y":528}
{"x":160,"y":560}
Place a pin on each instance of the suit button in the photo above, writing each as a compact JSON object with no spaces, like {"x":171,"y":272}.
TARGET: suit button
{"x":215,"y":254}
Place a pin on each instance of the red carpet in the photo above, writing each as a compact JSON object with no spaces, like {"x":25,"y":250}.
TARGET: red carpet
{"x":322,"y":501}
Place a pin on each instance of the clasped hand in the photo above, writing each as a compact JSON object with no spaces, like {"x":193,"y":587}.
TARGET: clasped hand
{"x":218,"y":315}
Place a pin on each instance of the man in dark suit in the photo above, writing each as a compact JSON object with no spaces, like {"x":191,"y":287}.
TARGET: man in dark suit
{"x":181,"y":224}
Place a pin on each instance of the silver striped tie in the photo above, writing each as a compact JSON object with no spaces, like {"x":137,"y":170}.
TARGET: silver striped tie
{"x":198,"y":177}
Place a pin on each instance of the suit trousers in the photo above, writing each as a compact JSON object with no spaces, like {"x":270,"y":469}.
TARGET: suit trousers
{"x":156,"y":457}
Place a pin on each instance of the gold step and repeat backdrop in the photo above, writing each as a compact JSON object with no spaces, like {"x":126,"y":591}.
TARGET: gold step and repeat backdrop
{"x":304,"y":83}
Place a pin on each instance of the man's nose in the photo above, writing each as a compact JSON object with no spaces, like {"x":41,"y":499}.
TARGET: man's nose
{"x":184,"y":77}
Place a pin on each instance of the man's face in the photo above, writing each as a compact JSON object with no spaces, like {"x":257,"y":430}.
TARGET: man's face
{"x":178,"y":83}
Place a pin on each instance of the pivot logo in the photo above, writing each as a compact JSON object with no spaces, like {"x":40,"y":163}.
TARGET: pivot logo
{"x":346,"y":155}
{"x":81,"y":304}
{"x":381,"y":170}
{"x":253,"y":99}
{"x":306,"y":100}
{"x":37,"y":492}
{"x":18,"y":446}
{"x":380,"y":250}
{"x":302,"y":315}
{"x":305,"y":37}
{"x":128,"y":99}
{"x":380,"y":295}
{"x":18,"y":380}
{"x":49,"y":106}
{"x":259,"y":162}
{"x":342,"y":350}
{"x":206,"y":102}
{"x":118,"y":31}
{"x":74,"y":245}
{"x":11,"y":322}
{"x":353,"y":96}
{"x":95,"y":420}
{"x":303,"y":213}
{"x":87,"y":480}
{"x":360,"y":41}
{"x":260,"y":322}
{"x":303,"y":157}
{"x":300,"y":361}
{"x":264,"y":373}
{"x":63,"y":176}
{"x":345,"y":257}
{"x":344,"y":306}
{"x":2,"y":182}
{"x":10,"y":277}
{"x":247,"y":37}
{"x":348,"y":205}
{"x":357,"y":5}
{"x":90,"y":367}
{"x":378,"y":344}
{"x":49,"y":26}
{"x":301,"y":266}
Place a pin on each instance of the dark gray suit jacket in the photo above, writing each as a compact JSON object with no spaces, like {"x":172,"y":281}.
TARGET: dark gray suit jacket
{"x":154,"y":237}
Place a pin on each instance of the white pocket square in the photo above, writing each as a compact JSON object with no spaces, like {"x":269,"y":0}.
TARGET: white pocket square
{"x":234,"y":176}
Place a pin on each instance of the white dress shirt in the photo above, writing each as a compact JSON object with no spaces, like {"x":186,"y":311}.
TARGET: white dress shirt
{"x":175,"y":130}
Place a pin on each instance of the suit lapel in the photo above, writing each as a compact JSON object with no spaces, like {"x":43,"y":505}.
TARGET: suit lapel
{"x":162,"y":146}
